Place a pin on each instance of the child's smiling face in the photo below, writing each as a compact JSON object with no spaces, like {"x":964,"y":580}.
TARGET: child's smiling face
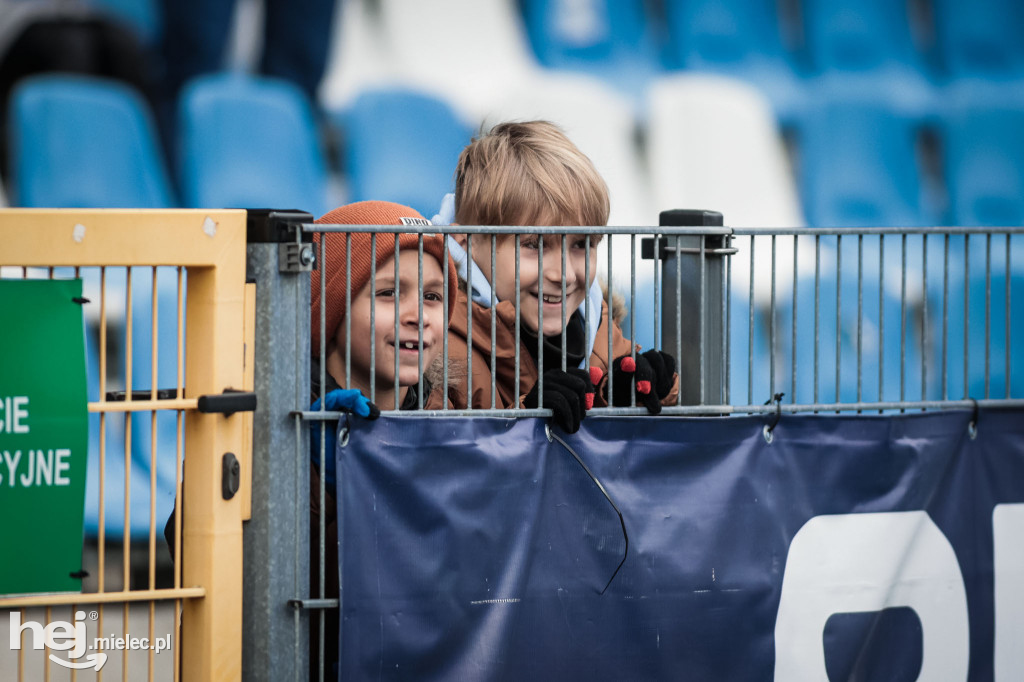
{"x":539,"y":287}
{"x":383,"y":339}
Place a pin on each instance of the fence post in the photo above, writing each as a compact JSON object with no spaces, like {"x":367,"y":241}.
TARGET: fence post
{"x":681,"y":306}
{"x":276,"y":539}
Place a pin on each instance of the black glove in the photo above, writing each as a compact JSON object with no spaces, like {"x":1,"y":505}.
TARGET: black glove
{"x":567,"y":394}
{"x":652,"y":375}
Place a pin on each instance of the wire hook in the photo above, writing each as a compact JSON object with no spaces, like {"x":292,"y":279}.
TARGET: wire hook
{"x":972,"y":427}
{"x":769,"y":428}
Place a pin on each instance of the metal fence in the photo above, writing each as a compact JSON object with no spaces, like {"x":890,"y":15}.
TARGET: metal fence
{"x":772,"y":322}
{"x":760,"y":321}
{"x":167,"y":331}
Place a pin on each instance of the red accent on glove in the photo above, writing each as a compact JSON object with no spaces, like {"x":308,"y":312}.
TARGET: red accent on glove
{"x":628,"y":364}
{"x":643,"y":387}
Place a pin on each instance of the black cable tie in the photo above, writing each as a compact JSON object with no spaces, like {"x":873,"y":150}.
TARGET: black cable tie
{"x":79,"y":574}
{"x":80,"y":300}
{"x":777,"y":399}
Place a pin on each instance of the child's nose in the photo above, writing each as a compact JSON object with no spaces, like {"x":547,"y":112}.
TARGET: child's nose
{"x":553,"y":268}
{"x":409,"y":310}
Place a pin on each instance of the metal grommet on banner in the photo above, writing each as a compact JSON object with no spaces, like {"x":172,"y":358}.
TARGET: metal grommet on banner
{"x":769,"y":428}
{"x":972,"y":427}
{"x":343,"y":432}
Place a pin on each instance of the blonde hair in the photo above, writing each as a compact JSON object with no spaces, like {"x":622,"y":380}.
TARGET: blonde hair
{"x":528,"y":173}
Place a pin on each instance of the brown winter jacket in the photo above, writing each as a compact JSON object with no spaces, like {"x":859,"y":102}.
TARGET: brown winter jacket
{"x":504,"y":361}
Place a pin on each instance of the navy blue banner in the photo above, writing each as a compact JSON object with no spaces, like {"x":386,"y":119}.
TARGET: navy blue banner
{"x":850,"y":547}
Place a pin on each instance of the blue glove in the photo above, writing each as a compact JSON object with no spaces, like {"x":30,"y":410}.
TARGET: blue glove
{"x":338,"y":400}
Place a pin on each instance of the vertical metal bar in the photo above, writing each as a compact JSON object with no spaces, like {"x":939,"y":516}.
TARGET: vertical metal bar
{"x":540,"y":320}
{"x":373,"y":340}
{"x":276,"y":540}
{"x":967,"y":310}
{"x":419,"y":303}
{"x":611,"y":352}
{"x":792,"y":336}
{"x":750,"y":324}
{"x":154,"y":377}
{"x":444,"y":331}
{"x":903,"y":318}
{"x":988,"y":310}
{"x":348,"y":317}
{"x":469,"y":319}
{"x":679,"y":309}
{"x":881,"y":317}
{"x":703,"y":314}
{"x":587,"y":307}
{"x":726,"y":315}
{"x":102,"y":532}
{"x":817,"y":309}
{"x":564,"y":244}
{"x":519,"y":341}
{"x":839,"y":312}
{"x":657,"y":291}
{"x":945,"y":317}
{"x":632,"y":308}
{"x":771,"y":327}
{"x":398,"y":315}
{"x":924,"y":317}
{"x":860,"y":315}
{"x":494,"y":328}
{"x":1006,"y":316}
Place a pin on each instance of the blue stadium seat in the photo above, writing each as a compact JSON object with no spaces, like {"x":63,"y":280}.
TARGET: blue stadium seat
{"x":610,"y":39}
{"x":981,"y":38}
{"x":401,"y":146}
{"x":859,"y":165}
{"x":82,"y":142}
{"x":740,"y":38}
{"x":983,"y":144}
{"x":248,"y":142}
{"x":867,"y":46}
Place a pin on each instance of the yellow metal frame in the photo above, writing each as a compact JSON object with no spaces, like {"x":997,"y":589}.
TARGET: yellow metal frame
{"x":210,"y":246}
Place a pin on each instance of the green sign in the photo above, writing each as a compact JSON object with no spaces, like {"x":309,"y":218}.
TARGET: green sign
{"x":43,"y":435}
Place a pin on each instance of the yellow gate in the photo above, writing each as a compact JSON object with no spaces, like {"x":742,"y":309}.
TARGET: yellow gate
{"x":130,"y":260}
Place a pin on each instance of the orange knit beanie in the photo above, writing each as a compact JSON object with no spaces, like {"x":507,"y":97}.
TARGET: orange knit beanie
{"x":333,"y":257}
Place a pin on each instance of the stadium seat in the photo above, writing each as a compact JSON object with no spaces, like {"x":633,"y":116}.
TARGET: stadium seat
{"x":740,"y":38}
{"x":859,"y":165}
{"x":470,"y":52}
{"x":401,"y":146}
{"x":248,"y":142}
{"x":866,"y":46}
{"x":981,"y":38}
{"x":983,"y":144}
{"x":82,"y":142}
{"x":610,"y":39}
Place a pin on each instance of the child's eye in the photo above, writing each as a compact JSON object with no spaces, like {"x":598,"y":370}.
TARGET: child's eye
{"x":580,"y":243}
{"x":432,"y":296}
{"x":386,"y":293}
{"x":530,"y":243}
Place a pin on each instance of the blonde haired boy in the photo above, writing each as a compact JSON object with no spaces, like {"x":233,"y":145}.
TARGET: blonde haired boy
{"x":531,"y":174}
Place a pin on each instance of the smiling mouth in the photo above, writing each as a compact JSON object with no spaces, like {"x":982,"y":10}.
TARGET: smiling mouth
{"x":550,"y":299}
{"x":407,"y":346}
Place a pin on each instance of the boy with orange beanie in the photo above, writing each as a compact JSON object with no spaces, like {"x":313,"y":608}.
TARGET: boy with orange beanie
{"x":370,"y":344}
